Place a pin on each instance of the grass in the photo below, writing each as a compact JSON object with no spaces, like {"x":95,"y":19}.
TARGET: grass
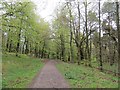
{"x":18,"y":72}
{"x":86,"y":77}
{"x":106,"y":66}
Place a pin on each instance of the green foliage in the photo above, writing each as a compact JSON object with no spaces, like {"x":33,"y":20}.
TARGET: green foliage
{"x":85,"y":77}
{"x":92,"y":16}
{"x":67,"y":35}
{"x":17,"y":72}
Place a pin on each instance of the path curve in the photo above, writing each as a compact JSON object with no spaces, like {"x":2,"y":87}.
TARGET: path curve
{"x":49,"y":77}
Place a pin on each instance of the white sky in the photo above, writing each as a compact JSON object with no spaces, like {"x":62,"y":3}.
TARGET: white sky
{"x":45,"y":8}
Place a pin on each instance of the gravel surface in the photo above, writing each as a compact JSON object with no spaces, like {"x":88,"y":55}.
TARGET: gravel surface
{"x":49,"y":77}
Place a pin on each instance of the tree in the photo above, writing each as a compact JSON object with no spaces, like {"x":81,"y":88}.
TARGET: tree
{"x":118,"y":29}
{"x":71,"y":32}
{"x":21,"y":21}
{"x":100,"y":52}
{"x":109,"y":30}
{"x":86,"y":29}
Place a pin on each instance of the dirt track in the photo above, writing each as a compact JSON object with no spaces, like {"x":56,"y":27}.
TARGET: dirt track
{"x":49,"y":77}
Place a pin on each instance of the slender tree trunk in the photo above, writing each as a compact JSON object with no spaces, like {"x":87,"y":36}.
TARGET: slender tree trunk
{"x":7,"y":44}
{"x":42,"y":54}
{"x":30,"y":48}
{"x":79,"y":54}
{"x":113,"y":56}
{"x":36,"y":50}
{"x":71,"y":36}
{"x":57,"y":53}
{"x":71,"y":33}
{"x":62,"y":48}
{"x":48,"y":56}
{"x":118,"y":29}
{"x":26,"y":44}
{"x":39,"y":52}
{"x":100,"y":52}
{"x":18,"y":43}
{"x":78,"y":36}
{"x":87,"y":41}
{"x":90,"y":50}
{"x":10,"y":47}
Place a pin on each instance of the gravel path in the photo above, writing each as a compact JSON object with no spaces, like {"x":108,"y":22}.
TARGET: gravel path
{"x":49,"y":77}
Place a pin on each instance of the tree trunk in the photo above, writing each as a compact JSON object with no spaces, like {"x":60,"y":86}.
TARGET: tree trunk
{"x":26,"y":49}
{"x":118,"y":29}
{"x":79,"y":55}
{"x":71,"y":33}
{"x":100,"y":53}
{"x":10,"y":47}
{"x":62,"y":47}
{"x":57,"y":53}
{"x":42,"y":54}
{"x":36,"y":50}
{"x":90,"y":50}
{"x":18,"y":43}
{"x":87,"y":41}
{"x":7,"y":44}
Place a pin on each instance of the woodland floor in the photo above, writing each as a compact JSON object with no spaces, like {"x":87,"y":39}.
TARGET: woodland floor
{"x":25,"y":71}
{"x":49,"y":77}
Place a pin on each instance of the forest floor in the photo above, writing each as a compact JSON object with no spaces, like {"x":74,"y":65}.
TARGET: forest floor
{"x":25,"y":71}
{"x":18,"y":72}
{"x":49,"y":77}
{"x":80,"y":76}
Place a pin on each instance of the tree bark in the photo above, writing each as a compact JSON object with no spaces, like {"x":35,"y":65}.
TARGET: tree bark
{"x":100,"y":52}
{"x":26,"y":44}
{"x":10,"y":47}
{"x":42,"y":54}
{"x":87,"y":41}
{"x":18,"y":43}
{"x":118,"y":29}
{"x":62,"y":48}
{"x":7,"y":44}
{"x":71,"y":33}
